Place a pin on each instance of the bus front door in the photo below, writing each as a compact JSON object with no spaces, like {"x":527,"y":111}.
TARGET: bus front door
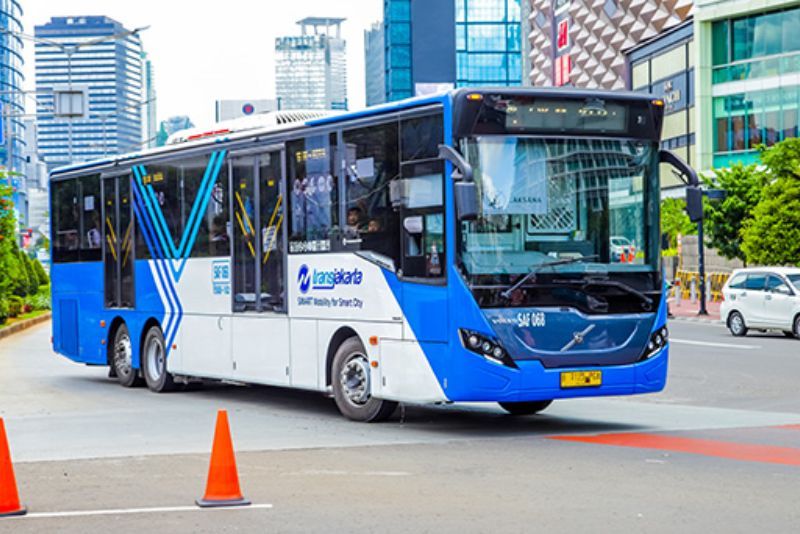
{"x":118,"y":240}
{"x":260,"y":324}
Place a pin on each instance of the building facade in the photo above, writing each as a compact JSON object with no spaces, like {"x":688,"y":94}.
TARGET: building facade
{"x":580,"y":43}
{"x":664,"y":66}
{"x":488,"y":42}
{"x":375,"y":67}
{"x":748,"y":77}
{"x":434,"y":45}
{"x":12,"y":101}
{"x":111,"y":72}
{"x":311,"y":69}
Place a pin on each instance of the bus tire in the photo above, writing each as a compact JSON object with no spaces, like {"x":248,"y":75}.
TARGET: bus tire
{"x":525,"y":408}
{"x":351,"y":385}
{"x":122,"y":358}
{"x":154,"y":362}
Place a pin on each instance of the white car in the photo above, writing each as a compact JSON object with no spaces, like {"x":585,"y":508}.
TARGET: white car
{"x":622,"y":250}
{"x":763,"y":298}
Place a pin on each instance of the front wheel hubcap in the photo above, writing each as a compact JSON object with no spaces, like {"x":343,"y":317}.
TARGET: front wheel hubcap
{"x":736,"y":323}
{"x":354,"y":380}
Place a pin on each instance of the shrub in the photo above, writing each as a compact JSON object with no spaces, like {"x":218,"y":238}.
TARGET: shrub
{"x":39,"y":301}
{"x":15,"y":305}
{"x":3,"y":311}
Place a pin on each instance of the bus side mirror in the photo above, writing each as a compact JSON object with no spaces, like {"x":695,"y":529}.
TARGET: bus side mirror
{"x":694,"y":204}
{"x":464,"y":188}
{"x":466,"y":197}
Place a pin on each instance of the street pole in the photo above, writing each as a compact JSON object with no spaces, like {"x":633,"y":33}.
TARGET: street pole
{"x":701,"y":267}
{"x":69,"y":52}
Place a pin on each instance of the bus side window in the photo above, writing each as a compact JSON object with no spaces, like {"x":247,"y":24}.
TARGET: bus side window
{"x":91,"y":236}
{"x":65,"y":232}
{"x":314,"y":195}
{"x":423,"y":220}
{"x":372,"y":163}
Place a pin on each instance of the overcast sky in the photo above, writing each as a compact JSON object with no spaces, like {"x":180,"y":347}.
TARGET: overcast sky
{"x":204,"y":51}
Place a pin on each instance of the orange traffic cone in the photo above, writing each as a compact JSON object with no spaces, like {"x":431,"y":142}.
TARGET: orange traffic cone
{"x":9,"y":498}
{"x":222,"y":488}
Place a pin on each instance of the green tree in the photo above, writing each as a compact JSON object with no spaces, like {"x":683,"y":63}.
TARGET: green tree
{"x":41,"y":274}
{"x":725,"y":219}
{"x":8,"y":249}
{"x":674,"y":220}
{"x":772,"y":235}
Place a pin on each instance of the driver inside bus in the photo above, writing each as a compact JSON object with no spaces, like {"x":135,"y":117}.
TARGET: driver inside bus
{"x":354,"y":223}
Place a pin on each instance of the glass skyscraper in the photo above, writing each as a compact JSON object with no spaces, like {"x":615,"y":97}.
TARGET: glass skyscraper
{"x":373,"y":59}
{"x":433,"y":44}
{"x":112,"y":73}
{"x":488,"y":42}
{"x":11,"y":97}
{"x":311,"y":69}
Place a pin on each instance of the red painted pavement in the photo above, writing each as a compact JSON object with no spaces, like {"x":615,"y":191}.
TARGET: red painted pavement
{"x":706,"y":447}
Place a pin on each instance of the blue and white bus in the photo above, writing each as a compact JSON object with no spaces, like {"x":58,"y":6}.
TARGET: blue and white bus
{"x":441,"y":249}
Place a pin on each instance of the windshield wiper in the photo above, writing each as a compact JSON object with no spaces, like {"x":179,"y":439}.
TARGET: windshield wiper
{"x":537,"y":268}
{"x":647,"y":302}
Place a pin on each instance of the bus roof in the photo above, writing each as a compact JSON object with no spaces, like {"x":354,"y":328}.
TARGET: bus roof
{"x":241,"y":129}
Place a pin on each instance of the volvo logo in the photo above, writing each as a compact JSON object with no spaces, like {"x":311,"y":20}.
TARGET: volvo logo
{"x":578,"y":338}
{"x":304,"y":279}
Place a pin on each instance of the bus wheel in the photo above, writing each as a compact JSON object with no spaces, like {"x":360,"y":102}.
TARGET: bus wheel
{"x":154,"y":362}
{"x":122,"y":358}
{"x":351,"y":385}
{"x":525,"y":408}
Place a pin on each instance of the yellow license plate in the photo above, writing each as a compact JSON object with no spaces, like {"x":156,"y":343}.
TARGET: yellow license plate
{"x":581,"y":379}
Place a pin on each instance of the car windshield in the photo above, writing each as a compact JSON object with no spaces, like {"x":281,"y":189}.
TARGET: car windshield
{"x":553,"y":199}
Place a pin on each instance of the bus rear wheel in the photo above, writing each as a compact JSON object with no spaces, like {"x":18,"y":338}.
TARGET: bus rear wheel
{"x":525,"y":408}
{"x":352,"y":388}
{"x":154,"y":362}
{"x":122,"y":358}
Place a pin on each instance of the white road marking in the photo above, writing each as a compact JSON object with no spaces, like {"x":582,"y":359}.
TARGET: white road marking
{"x":710,"y":344}
{"x":124,"y":511}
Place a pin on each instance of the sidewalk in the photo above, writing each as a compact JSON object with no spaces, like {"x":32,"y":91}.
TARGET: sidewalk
{"x":685,"y":310}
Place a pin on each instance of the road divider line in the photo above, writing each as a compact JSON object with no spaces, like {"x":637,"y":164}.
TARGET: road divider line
{"x":711,"y":344}
{"x":127,"y":511}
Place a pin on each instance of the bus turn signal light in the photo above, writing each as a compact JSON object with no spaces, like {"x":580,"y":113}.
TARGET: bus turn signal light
{"x":373,"y":340}
{"x":102,"y":324}
{"x":474,"y":96}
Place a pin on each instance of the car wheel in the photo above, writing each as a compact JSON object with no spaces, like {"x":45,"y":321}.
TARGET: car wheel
{"x":154,"y":362}
{"x":736,"y":324}
{"x":797,"y":327}
{"x":352,"y":388}
{"x":122,"y":358}
{"x":525,"y":408}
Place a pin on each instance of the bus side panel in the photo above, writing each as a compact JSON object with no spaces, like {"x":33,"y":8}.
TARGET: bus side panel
{"x":77,"y":302}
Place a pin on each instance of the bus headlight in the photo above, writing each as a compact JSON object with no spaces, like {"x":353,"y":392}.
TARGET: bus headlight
{"x":658,"y":340}
{"x":487,"y":347}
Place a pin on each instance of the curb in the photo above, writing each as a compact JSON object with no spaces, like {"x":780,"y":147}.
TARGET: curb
{"x":695,"y":319}
{"x":24,"y":325}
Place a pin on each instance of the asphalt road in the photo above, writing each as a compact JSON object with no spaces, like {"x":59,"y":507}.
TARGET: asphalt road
{"x":718,"y":449}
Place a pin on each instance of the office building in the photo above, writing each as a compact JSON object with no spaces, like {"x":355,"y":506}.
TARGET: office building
{"x":110,"y":72}
{"x":375,"y":67}
{"x":580,"y":43}
{"x":664,"y":66}
{"x":149,"y":107}
{"x":12,"y":101}
{"x":311,"y":69}
{"x":435,"y":45}
{"x":748,"y":83}
{"x":225,"y":110}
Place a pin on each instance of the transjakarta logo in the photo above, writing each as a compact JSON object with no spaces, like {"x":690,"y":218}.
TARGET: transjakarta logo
{"x":326,"y":280}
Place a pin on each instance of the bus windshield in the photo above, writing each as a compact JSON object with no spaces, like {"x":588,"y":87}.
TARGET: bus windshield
{"x":545,"y":200}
